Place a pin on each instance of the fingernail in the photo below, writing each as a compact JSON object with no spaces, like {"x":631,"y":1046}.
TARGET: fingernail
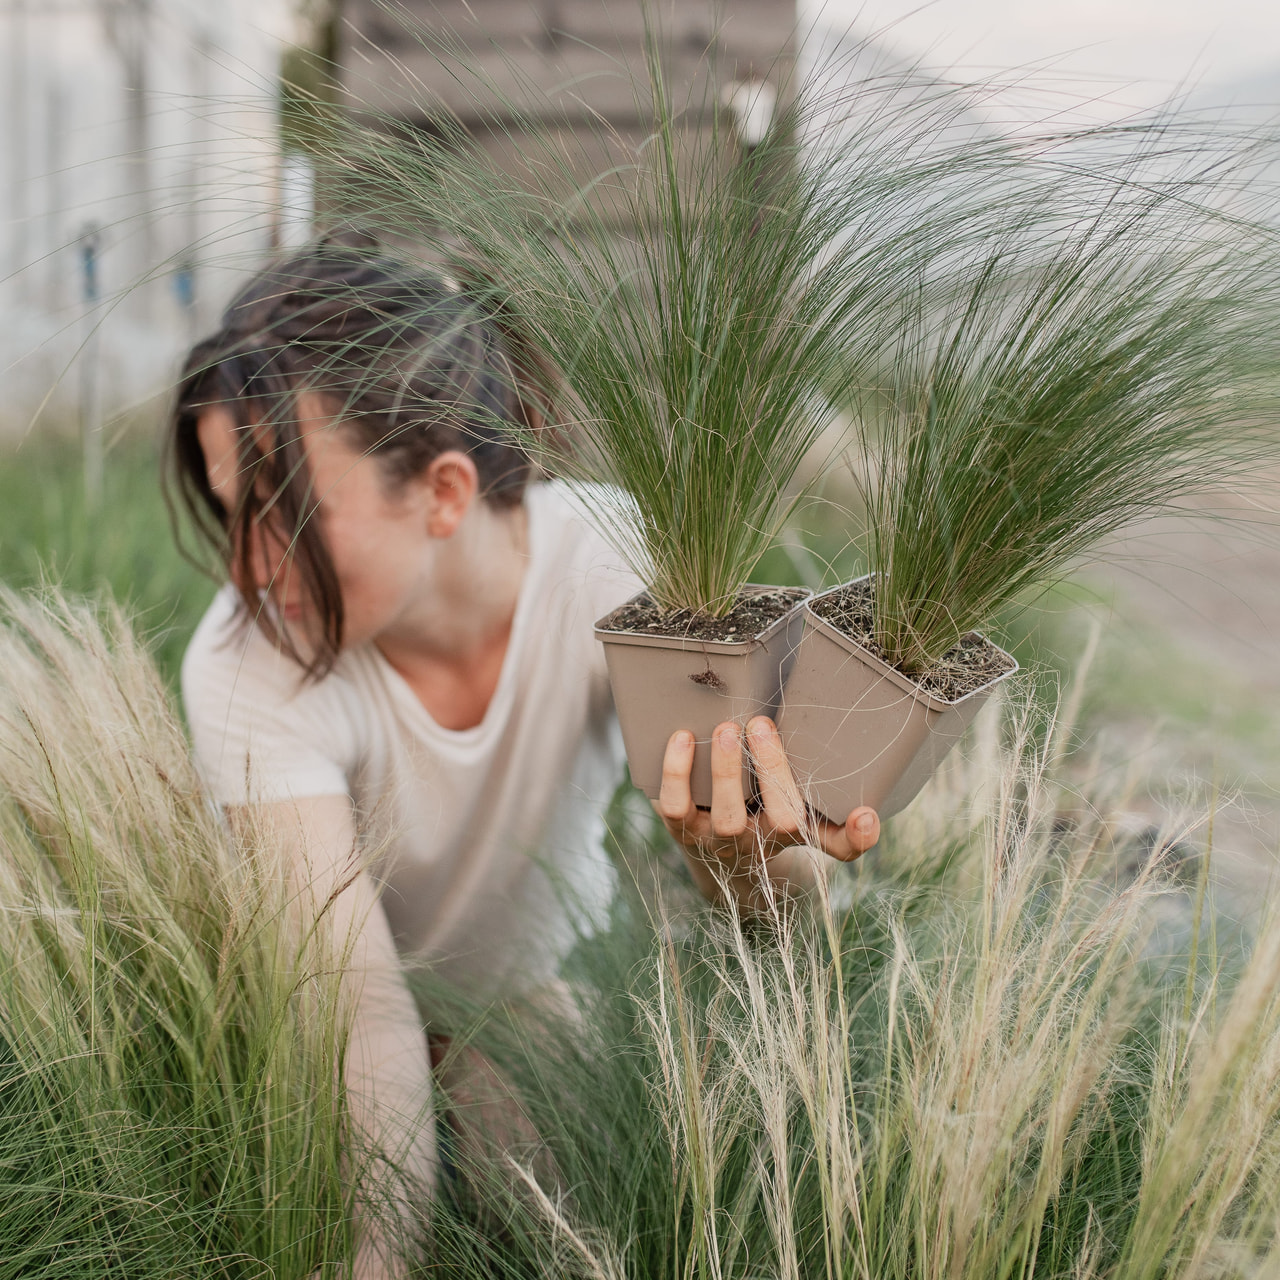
{"x":729,"y":738}
{"x":865,"y":822}
{"x":683,"y":738}
{"x":759,"y":729}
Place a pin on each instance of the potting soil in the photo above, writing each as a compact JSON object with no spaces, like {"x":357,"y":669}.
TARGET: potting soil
{"x":757,"y":608}
{"x":964,"y":668}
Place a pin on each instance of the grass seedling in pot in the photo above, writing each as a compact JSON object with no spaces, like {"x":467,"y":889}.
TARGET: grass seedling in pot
{"x":680,"y":313}
{"x":1071,"y":384}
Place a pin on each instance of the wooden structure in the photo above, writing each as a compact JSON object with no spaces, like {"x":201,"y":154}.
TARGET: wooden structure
{"x":576,"y":66}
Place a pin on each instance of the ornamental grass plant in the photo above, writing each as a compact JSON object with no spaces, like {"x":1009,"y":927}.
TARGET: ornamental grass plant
{"x":980,"y":1055}
{"x":678,"y":314}
{"x":1072,"y":381}
{"x":171,"y":1024}
{"x":1039,"y":338}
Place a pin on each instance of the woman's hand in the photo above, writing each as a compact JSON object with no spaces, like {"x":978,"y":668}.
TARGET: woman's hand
{"x":732,"y":837}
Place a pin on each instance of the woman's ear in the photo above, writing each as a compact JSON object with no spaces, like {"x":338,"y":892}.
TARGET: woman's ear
{"x":452,"y":483}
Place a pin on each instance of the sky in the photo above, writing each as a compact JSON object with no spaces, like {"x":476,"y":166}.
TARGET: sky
{"x":1113,"y":57}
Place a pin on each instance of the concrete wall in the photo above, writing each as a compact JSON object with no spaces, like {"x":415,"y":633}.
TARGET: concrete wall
{"x":140,"y":180}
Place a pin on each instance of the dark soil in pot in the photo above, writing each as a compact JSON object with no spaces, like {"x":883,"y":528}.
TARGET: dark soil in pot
{"x":967,"y":666}
{"x":859,"y":730}
{"x":756,"y":610}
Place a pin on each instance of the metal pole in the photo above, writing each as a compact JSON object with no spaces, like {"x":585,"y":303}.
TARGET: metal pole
{"x":19,"y":175}
{"x":90,"y":246}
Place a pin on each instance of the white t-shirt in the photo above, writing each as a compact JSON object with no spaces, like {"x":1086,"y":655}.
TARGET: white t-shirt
{"x":491,"y":837}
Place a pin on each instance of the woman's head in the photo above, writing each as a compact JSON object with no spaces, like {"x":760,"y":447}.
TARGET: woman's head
{"x":406,"y":367}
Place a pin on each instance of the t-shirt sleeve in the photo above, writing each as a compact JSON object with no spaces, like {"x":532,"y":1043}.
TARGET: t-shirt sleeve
{"x":260,"y":734}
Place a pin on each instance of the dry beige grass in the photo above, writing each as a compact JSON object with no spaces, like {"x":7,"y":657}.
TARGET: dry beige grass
{"x":965,"y":1061}
{"x":171,"y":1023}
{"x":970,"y":1061}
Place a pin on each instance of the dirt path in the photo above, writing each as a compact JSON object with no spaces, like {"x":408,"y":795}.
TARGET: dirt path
{"x":1215,"y":584}
{"x":1196,"y":604}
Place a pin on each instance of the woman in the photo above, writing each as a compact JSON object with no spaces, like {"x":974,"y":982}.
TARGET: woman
{"x":403,"y":659}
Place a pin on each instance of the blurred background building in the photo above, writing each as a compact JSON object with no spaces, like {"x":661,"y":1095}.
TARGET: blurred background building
{"x":142,"y":171}
{"x":575,"y":65}
{"x":146,"y":165}
{"x":146,"y":170}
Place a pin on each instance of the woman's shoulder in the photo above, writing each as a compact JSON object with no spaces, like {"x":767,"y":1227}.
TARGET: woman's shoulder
{"x":235,"y":660}
{"x":244,"y":698}
{"x":580,"y":536}
{"x":227,"y":649}
{"x":584,"y":524}
{"x":587,"y":506}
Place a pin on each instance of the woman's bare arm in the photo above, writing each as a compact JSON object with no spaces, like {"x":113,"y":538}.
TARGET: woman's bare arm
{"x":388,"y":1069}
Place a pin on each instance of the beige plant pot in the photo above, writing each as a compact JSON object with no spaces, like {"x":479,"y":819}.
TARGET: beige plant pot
{"x":858,"y":731}
{"x":665,"y":683}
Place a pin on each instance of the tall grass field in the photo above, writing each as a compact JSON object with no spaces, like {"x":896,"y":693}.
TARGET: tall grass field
{"x":170,"y":1022}
{"x":979,"y":1053}
{"x":119,"y":548}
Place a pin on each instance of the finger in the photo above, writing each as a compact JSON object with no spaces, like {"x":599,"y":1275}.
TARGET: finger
{"x":783,"y":807}
{"x":675,"y":796}
{"x":860,"y":831}
{"x":728,"y":804}
{"x":862,"y":828}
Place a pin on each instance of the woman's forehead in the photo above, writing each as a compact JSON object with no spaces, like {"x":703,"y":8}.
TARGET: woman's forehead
{"x":223,"y":434}
{"x":218,"y":432}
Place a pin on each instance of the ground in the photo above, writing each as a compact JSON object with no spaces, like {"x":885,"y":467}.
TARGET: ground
{"x":1188,"y":679}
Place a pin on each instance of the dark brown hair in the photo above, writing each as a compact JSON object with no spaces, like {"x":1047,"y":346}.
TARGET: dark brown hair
{"x":406,"y":362}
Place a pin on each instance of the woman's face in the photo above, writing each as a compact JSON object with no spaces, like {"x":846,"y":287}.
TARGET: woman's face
{"x":380,"y":539}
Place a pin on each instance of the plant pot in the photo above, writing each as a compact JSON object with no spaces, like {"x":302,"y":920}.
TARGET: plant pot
{"x":858,"y":731}
{"x":662,"y":683}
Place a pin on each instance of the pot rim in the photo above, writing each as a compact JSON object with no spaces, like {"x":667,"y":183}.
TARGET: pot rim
{"x":899,"y":678}
{"x":729,"y":648}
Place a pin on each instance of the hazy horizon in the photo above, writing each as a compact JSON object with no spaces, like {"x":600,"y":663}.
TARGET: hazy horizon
{"x":1107,"y":58}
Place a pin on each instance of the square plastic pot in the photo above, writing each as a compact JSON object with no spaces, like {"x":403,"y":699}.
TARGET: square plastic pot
{"x":664,"y":683}
{"x":858,"y":731}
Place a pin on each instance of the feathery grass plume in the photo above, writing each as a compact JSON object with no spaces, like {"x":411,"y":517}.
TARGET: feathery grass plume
{"x":171,"y":1027}
{"x":1075,"y":380}
{"x":968,"y":1061}
{"x":682,"y":309}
